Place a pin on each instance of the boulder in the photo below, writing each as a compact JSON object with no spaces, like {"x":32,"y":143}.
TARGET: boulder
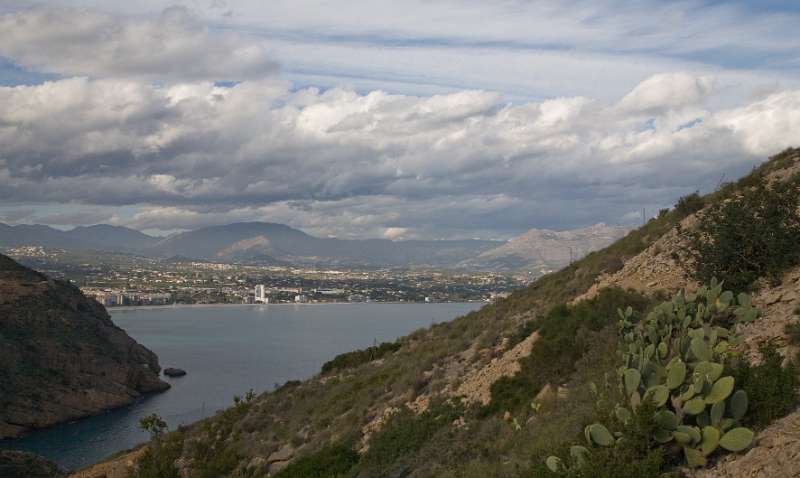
{"x":174,"y":372}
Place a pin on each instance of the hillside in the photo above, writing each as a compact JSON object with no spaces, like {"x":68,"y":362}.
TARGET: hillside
{"x":61,"y":356}
{"x":498,"y":391}
{"x":99,"y":237}
{"x":540,"y":250}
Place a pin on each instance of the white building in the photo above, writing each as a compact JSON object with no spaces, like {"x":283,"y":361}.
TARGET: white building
{"x":261,"y":294}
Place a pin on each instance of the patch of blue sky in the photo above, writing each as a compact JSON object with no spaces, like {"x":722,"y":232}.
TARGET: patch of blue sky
{"x":690,"y":124}
{"x":649,"y":125}
{"x":760,"y":6}
{"x":13,"y":75}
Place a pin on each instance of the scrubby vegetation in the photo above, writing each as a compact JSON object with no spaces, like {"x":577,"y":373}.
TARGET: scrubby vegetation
{"x":690,"y":204}
{"x":674,"y":361}
{"x":405,"y":433}
{"x":162,"y":451}
{"x":793,"y":332}
{"x":330,"y":462}
{"x":752,"y":234}
{"x":565,"y":336}
{"x":773,"y":390}
{"x":358,"y":357}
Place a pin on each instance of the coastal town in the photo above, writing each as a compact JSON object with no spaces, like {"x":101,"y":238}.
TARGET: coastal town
{"x":118,"y":280}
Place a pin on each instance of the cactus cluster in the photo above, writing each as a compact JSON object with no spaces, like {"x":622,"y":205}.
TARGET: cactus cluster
{"x":674,"y":359}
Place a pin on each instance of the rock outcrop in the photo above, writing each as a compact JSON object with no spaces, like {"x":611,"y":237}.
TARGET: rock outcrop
{"x":20,"y":464}
{"x":174,"y":372}
{"x":61,"y":356}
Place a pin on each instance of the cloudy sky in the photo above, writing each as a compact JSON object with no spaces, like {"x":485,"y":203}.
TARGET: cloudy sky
{"x":445,"y":119}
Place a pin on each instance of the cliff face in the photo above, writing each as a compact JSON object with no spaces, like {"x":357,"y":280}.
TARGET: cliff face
{"x":61,"y":356}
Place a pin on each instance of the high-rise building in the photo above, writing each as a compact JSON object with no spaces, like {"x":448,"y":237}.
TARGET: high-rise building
{"x":261,"y":294}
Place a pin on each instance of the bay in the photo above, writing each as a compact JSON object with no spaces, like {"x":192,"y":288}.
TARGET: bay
{"x":228,"y":350}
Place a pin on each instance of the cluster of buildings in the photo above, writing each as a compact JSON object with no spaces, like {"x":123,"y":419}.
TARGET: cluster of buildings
{"x":110,"y":298}
{"x":263,"y":295}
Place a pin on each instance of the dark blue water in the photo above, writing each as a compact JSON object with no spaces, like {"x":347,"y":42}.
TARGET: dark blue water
{"x":226,"y":351}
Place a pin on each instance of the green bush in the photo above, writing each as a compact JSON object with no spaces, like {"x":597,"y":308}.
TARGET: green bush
{"x":404,"y":434}
{"x":565,"y":335}
{"x":158,"y":461}
{"x":793,"y":332}
{"x":690,"y":204}
{"x":773,"y":390}
{"x":330,"y":462}
{"x":748,"y":236}
{"x":358,"y":357}
{"x":637,"y":456}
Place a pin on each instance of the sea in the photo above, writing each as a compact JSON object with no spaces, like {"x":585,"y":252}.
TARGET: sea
{"x":227,"y":350}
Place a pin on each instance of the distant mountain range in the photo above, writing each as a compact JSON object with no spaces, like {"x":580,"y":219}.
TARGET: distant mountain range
{"x":542,"y":250}
{"x":100,"y":237}
{"x":270,"y":243}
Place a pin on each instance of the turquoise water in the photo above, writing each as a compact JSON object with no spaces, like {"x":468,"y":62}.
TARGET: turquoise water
{"x":226,"y":351}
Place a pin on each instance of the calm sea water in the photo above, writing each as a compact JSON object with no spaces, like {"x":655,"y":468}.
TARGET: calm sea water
{"x":226,"y":351}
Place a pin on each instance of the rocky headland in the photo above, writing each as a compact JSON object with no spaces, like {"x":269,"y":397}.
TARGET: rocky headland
{"x":61,"y":356}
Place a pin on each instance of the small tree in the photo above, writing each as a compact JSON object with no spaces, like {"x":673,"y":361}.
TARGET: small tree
{"x":690,"y":204}
{"x":749,"y":236}
{"x":154,"y":425}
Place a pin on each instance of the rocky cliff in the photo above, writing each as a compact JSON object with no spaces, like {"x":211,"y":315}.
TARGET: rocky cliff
{"x":61,"y":356}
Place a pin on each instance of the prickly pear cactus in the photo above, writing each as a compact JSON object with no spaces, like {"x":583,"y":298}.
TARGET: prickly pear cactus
{"x":674,"y":359}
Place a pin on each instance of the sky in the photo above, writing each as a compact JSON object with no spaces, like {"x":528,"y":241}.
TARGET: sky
{"x":414,"y":119}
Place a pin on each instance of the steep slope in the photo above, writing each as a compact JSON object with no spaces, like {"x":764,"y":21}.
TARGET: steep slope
{"x":541,"y":250}
{"x":19,"y":464}
{"x":61,"y":356}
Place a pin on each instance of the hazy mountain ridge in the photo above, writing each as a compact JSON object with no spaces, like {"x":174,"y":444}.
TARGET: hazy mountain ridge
{"x":543,"y":250}
{"x":100,"y":237}
{"x":264,"y":242}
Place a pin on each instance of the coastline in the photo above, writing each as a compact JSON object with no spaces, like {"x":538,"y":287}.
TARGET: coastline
{"x":113,"y":310}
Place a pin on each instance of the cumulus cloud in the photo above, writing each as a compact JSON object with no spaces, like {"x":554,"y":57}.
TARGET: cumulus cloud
{"x":666,"y":92}
{"x":395,"y":233}
{"x":343,"y":163}
{"x":175,"y":46}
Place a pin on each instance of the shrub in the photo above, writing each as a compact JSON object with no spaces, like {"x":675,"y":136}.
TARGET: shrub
{"x":404,"y":434}
{"x":565,"y":335}
{"x":638,"y":455}
{"x":749,"y":236}
{"x":793,"y":332}
{"x":523,"y":332}
{"x":330,"y":462}
{"x":690,"y":204}
{"x":358,"y":357}
{"x":672,"y":371}
{"x":772,"y":389}
{"x":158,"y":461}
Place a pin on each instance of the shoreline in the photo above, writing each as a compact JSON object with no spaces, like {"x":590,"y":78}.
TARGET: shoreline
{"x":112,"y":310}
